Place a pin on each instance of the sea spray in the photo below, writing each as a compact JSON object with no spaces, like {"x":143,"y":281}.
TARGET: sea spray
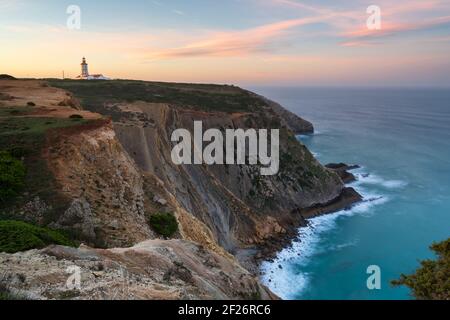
{"x":283,"y":275}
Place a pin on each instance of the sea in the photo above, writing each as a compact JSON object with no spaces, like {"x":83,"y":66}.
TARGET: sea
{"x":400,"y":138}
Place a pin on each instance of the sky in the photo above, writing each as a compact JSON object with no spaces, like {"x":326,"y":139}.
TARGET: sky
{"x":243,"y":42}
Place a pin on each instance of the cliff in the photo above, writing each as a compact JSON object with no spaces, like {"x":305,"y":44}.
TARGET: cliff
{"x":243,"y":209}
{"x":98,"y":158}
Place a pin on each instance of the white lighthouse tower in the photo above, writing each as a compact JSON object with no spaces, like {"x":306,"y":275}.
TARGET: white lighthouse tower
{"x":85,"y":73}
{"x":84,"y":69}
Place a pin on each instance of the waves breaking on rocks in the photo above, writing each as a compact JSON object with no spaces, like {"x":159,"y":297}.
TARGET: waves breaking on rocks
{"x":283,"y":275}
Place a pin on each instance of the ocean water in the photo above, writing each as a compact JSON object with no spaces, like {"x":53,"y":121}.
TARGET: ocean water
{"x":401,"y":140}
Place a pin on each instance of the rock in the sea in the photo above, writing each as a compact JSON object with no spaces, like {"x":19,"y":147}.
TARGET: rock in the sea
{"x":342,"y":170}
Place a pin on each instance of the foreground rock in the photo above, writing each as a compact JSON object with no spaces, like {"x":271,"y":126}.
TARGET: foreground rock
{"x":153,"y":269}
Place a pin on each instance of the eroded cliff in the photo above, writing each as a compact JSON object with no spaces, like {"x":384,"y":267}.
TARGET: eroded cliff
{"x":242,"y":208}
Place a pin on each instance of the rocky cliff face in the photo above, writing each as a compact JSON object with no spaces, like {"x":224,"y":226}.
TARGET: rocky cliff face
{"x":241,"y":208}
{"x":105,"y":188}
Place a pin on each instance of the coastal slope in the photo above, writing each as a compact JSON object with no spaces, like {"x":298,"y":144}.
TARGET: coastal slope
{"x":99,"y":167}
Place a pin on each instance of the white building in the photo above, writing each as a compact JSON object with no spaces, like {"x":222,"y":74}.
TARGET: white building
{"x":85,"y":73}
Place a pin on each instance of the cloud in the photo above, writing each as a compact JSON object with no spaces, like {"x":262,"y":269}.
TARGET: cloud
{"x":397,"y":17}
{"x":347,"y":26}
{"x":233,"y":43}
{"x":364,"y":36}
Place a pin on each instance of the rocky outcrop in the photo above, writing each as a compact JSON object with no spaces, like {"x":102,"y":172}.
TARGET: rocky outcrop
{"x":155,"y":269}
{"x":289,"y":119}
{"x":342,"y":170}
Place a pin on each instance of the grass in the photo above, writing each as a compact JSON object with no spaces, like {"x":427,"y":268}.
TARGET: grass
{"x":33,"y":125}
{"x":206,"y":97}
{"x":164,"y":224}
{"x":24,"y":138}
{"x":14,"y":111}
{"x":18,"y":236}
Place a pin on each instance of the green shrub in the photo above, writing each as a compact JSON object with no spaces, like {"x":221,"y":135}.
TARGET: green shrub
{"x":76,"y":116}
{"x":18,"y":236}
{"x":12,"y":176}
{"x":164,"y":224}
{"x":431,"y":280}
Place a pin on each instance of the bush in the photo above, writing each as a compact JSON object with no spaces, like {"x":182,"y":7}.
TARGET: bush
{"x":18,"y":236}
{"x":12,"y":176}
{"x":76,"y":116}
{"x":31,"y":104}
{"x":431,"y":280}
{"x":164,"y":224}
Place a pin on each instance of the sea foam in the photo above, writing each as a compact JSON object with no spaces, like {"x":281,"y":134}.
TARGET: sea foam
{"x":282,"y":275}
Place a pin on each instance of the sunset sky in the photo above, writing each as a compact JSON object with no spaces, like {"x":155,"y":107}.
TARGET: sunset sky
{"x":245,"y":42}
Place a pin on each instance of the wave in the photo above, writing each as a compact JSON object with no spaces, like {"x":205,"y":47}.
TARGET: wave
{"x":372,"y":179}
{"x":310,"y":135}
{"x":284,"y":271}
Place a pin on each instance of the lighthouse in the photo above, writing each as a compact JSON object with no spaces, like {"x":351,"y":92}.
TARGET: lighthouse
{"x":85,"y":73}
{"x":84,"y":69}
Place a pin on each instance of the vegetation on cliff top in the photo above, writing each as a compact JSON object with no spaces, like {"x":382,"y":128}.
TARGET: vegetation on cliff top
{"x":205,"y":97}
{"x":6,"y":77}
{"x":18,"y":236}
{"x":432,"y":280}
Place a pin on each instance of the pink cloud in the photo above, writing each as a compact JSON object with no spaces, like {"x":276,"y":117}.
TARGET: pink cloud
{"x":364,"y":36}
{"x":236,"y":43}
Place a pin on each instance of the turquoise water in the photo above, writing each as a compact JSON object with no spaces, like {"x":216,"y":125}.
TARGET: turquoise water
{"x":401,"y":138}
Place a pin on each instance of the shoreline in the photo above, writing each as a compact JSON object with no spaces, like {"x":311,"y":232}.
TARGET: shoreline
{"x":252,"y":258}
{"x":348,"y":197}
